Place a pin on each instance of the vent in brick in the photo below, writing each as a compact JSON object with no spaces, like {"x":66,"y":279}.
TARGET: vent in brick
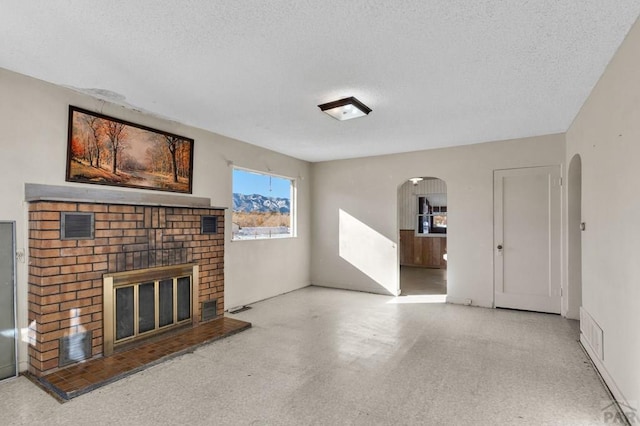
{"x":209,"y":224}
{"x":209,"y":310}
{"x":74,"y":348}
{"x":76,"y":226}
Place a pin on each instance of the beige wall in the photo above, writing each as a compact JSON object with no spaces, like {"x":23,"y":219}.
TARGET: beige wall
{"x":367,"y":191}
{"x":33,"y":138}
{"x":606,"y":135}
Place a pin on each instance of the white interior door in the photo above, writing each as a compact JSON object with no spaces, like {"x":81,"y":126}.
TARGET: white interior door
{"x":527,"y":239}
{"x":7,"y":304}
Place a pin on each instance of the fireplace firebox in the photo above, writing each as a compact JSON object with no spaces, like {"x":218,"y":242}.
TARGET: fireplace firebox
{"x":143,"y":303}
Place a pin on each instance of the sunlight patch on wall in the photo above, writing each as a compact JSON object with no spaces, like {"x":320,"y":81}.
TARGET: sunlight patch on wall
{"x":369,"y":251}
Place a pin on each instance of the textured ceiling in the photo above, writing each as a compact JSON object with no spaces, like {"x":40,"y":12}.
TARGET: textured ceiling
{"x":435,"y":72}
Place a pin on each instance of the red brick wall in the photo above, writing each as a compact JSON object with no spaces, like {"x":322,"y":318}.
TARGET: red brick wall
{"x":65,"y":276}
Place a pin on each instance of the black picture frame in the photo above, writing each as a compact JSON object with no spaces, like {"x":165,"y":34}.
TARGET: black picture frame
{"x":105,"y":150}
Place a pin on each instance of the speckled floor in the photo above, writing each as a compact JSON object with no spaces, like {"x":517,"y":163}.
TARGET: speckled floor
{"x":327,"y":357}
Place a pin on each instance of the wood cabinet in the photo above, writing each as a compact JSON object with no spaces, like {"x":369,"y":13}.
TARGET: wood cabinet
{"x":422,"y":251}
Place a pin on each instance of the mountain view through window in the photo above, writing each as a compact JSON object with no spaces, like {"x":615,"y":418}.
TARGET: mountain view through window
{"x":262,"y":206}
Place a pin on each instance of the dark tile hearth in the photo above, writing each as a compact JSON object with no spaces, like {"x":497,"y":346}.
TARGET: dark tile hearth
{"x":81,"y":378}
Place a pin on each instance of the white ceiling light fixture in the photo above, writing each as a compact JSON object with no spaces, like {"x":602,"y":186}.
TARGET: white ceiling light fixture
{"x":345,"y":109}
{"x":415,"y":180}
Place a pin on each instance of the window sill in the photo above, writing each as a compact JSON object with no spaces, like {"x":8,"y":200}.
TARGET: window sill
{"x":288,"y":237}
{"x":430,"y":235}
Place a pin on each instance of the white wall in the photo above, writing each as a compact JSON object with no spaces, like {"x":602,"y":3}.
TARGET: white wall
{"x":33,"y":141}
{"x":367,"y":189}
{"x":606,"y":134}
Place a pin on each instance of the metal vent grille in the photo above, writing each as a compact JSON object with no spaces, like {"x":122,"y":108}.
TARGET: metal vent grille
{"x":76,"y":226}
{"x":74,"y":348}
{"x":209,"y":225}
{"x":209,"y":310}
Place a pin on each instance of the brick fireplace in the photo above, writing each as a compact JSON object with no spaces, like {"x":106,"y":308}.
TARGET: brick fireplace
{"x":151,"y":232}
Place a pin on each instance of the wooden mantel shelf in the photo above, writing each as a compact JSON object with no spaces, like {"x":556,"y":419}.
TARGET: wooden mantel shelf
{"x":74,"y":194}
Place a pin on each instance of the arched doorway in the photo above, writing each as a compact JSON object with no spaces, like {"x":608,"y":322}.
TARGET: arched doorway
{"x":574,"y":213}
{"x":422,"y":211}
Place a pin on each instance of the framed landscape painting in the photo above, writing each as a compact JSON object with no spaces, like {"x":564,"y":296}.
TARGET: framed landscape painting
{"x":108,"y":151}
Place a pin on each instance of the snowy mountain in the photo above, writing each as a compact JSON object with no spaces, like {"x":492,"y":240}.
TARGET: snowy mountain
{"x":259,"y":203}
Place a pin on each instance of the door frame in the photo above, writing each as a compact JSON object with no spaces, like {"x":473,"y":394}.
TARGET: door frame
{"x":399,"y":228}
{"x":561,"y":247}
{"x":574,"y":231}
{"x":15,"y":290}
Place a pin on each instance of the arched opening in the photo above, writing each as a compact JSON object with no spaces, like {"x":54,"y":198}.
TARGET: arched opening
{"x":422,"y":212}
{"x":574,"y":213}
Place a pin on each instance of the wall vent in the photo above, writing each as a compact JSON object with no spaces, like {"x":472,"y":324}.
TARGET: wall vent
{"x":76,"y":226}
{"x":592,"y":333}
{"x":74,"y":348}
{"x":209,"y":310}
{"x":209,"y":224}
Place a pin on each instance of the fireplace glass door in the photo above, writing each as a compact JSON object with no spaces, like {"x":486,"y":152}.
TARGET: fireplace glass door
{"x":149,"y":307}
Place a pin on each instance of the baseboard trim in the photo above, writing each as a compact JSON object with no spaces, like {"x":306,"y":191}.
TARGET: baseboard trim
{"x":465,"y":301}
{"x":607,"y":380}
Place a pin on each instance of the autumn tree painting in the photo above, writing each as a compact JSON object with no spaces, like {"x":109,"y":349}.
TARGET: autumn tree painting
{"x":109,"y":151}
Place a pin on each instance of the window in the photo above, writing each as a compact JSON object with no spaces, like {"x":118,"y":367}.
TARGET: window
{"x":432,"y":214}
{"x":263,"y":206}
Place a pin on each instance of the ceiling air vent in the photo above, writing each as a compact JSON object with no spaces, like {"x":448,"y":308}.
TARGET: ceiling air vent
{"x":209,"y":224}
{"x":76,"y":226}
